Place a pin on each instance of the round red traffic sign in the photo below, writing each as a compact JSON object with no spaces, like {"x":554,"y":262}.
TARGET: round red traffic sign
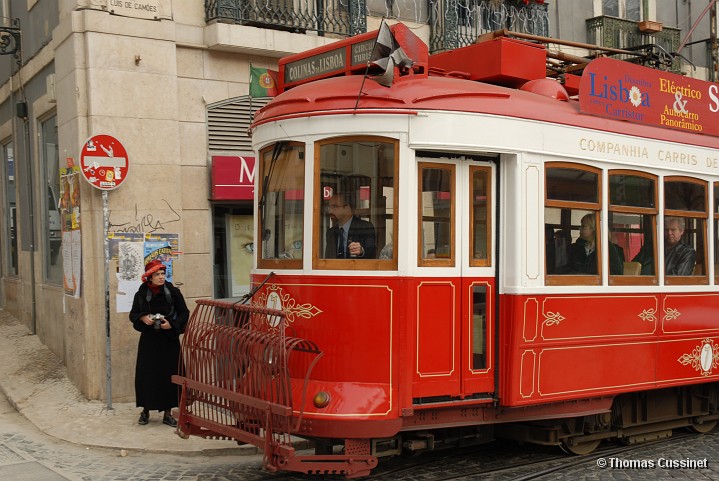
{"x":104,"y":162}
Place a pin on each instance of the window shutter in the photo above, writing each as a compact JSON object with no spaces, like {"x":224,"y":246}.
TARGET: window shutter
{"x":228,"y":122}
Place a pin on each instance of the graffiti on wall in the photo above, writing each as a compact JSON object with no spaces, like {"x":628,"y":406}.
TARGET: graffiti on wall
{"x":144,"y":223}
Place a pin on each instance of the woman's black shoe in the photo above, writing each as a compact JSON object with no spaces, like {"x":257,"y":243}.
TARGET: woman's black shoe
{"x":169,"y":420}
{"x":144,"y":418}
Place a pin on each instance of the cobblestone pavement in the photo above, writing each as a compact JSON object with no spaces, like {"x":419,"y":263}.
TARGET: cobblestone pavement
{"x":683,"y":457}
{"x":28,"y":454}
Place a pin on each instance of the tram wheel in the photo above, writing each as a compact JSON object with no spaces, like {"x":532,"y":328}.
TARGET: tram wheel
{"x":703,"y":428}
{"x":580,"y":449}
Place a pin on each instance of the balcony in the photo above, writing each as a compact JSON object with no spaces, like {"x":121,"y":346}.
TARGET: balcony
{"x":333,"y":18}
{"x":615,"y":32}
{"x":457,"y":23}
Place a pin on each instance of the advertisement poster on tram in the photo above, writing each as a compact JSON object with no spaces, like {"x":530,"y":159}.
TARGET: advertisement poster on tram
{"x":620,"y":90}
{"x":68,"y":220}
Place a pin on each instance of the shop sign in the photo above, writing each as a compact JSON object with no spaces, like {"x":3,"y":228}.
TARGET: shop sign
{"x":233,"y":177}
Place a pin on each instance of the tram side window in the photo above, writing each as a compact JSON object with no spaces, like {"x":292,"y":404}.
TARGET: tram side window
{"x":632,"y":227}
{"x":685,"y":219}
{"x":571,"y":217}
{"x":281,"y":206}
{"x":480,"y":216}
{"x":356,"y":204}
{"x":436,"y":204}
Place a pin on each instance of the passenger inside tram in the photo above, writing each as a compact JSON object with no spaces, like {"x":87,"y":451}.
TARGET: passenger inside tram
{"x":583,"y":253}
{"x":679,"y":258}
{"x":645,"y":257}
{"x":349,"y":236}
{"x":386,"y":252}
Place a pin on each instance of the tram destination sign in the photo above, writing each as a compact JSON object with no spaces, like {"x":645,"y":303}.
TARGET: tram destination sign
{"x":315,"y":66}
{"x":329,"y":63}
{"x":624,"y":91}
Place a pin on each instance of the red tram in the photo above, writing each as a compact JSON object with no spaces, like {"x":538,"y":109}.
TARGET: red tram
{"x":542,"y":259}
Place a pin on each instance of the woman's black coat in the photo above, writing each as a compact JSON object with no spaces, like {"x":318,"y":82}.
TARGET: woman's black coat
{"x":158,"y":352}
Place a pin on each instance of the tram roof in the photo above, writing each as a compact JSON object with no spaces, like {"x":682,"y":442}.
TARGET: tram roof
{"x":433,"y":85}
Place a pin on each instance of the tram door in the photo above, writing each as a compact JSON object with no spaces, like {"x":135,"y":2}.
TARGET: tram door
{"x":456,"y":279}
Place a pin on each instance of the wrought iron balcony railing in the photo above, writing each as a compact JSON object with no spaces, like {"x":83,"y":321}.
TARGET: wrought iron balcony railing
{"x":341,"y":18}
{"x":615,"y":32}
{"x":457,"y":23}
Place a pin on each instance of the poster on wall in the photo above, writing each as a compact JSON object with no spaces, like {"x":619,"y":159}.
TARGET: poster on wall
{"x":240,"y":250}
{"x":132,"y":252}
{"x":162,"y":251}
{"x":69,"y":213}
{"x":130,"y":257}
{"x":115,"y":238}
{"x":71,"y":262}
{"x":173,"y":240}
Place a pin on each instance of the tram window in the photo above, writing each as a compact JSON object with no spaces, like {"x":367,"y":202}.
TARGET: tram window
{"x":480,"y":216}
{"x":281,"y":206}
{"x":356,"y":206}
{"x":571,"y":241}
{"x":571,"y":220}
{"x":436,"y":212}
{"x":685,"y":218}
{"x":573,"y":185}
{"x":632,"y":227}
{"x":479,"y":327}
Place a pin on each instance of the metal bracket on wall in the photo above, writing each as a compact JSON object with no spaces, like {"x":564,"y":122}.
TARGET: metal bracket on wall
{"x":10,"y":41}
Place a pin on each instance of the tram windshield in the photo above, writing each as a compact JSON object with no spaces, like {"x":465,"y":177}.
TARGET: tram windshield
{"x":281,"y":206}
{"x":356,"y":203}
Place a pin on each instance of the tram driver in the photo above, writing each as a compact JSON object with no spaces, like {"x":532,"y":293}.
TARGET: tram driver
{"x":349,"y":236}
{"x":679,"y":258}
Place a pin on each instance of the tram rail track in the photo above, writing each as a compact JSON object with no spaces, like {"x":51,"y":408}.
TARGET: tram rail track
{"x":560,"y":462}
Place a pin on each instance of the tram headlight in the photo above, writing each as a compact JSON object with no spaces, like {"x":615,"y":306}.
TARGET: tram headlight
{"x":321,"y":399}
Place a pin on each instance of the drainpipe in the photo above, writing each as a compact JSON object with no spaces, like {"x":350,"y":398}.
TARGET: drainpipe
{"x":21,"y":111}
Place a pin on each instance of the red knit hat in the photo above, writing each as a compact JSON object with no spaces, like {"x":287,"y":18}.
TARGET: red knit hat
{"x":151,"y":268}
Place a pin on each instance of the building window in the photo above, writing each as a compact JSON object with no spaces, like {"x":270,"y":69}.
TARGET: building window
{"x":234,"y":229}
{"x":281,"y":206}
{"x":632,"y":227}
{"x":685,"y":221}
{"x":53,"y":227}
{"x":571,"y":214}
{"x":627,"y":9}
{"x":355,"y":203}
{"x":10,"y":209}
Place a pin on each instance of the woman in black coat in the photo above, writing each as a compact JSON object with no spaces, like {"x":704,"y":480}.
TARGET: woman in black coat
{"x":160,"y":314}
{"x":583,"y":253}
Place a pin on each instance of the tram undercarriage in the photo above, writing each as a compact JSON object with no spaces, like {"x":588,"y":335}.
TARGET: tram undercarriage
{"x":634,"y":418}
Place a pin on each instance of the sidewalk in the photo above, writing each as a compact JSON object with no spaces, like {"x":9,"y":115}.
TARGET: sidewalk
{"x":35,"y":382}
